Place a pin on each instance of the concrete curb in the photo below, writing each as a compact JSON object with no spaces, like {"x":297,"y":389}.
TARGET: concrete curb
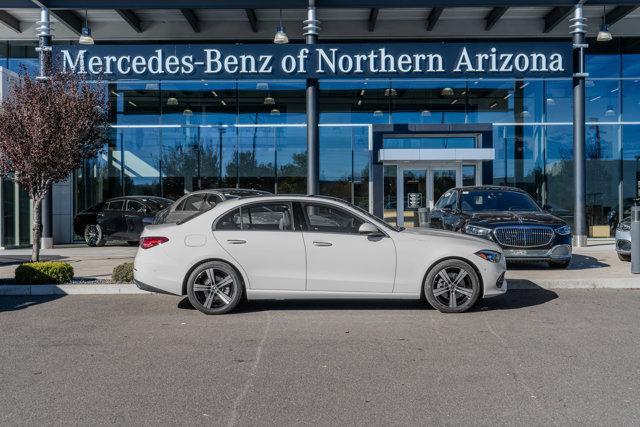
{"x":102,"y":289}
{"x":130,"y":289}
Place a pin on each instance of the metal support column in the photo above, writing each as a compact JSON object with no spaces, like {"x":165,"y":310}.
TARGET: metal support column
{"x":44,"y":51}
{"x":312,"y":27}
{"x":578,"y":30}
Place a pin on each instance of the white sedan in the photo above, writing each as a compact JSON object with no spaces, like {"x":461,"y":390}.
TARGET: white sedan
{"x":298,"y":247}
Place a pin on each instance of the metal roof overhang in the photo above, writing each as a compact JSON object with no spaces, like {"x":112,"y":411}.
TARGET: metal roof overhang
{"x":292,"y":4}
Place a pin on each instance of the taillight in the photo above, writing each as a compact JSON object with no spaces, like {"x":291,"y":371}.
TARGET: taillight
{"x":151,"y":241}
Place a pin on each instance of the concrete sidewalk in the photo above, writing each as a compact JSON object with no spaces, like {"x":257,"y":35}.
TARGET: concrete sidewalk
{"x":596,"y":266}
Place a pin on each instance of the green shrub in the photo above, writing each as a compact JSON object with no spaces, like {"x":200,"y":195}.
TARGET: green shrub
{"x":44,"y":272}
{"x":123,"y":273}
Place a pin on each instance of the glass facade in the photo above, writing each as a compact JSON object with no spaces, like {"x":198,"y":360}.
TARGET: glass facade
{"x":172,"y":137}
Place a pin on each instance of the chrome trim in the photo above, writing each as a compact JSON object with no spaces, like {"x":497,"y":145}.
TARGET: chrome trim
{"x":524,"y":236}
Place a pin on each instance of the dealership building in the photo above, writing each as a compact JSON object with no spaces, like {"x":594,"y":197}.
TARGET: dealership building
{"x":386,"y":104}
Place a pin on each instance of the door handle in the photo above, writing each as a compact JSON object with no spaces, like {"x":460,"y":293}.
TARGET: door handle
{"x":236,"y":241}
{"x":319,"y":243}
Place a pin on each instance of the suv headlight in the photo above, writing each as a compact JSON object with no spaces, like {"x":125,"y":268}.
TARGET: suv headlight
{"x":624,"y":226}
{"x":491,"y":256}
{"x":564,"y":230}
{"x":476,"y":230}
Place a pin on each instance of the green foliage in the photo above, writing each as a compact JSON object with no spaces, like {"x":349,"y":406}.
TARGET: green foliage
{"x":45,"y":272}
{"x":123,"y":273}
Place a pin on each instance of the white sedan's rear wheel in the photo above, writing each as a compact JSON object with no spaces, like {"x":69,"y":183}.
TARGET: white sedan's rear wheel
{"x":452,"y":286}
{"x":214,"y":288}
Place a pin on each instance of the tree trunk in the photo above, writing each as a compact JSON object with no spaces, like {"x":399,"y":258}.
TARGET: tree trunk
{"x":37,"y":229}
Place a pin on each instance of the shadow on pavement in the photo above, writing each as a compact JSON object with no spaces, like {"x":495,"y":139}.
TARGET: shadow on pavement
{"x":578,"y":262}
{"x":514,"y":299}
{"x":14,"y":303}
{"x":19,"y":259}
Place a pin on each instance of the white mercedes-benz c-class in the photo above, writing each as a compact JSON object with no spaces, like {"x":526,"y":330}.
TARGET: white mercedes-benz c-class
{"x":295,"y":247}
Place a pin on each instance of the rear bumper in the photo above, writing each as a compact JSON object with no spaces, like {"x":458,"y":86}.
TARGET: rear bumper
{"x":150,"y":288}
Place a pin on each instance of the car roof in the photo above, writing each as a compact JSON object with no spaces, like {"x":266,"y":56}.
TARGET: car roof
{"x":491,"y":188}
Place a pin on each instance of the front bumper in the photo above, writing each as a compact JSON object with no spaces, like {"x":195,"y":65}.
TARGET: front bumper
{"x":623,"y":242}
{"x":555,"y":253}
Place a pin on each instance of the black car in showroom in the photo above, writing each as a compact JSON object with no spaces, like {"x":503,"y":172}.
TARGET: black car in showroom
{"x":509,"y":217}
{"x":121,"y":218}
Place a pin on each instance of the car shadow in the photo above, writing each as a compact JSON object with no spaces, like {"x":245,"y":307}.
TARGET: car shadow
{"x":15,"y":303}
{"x":515,"y":299}
{"x":578,"y":262}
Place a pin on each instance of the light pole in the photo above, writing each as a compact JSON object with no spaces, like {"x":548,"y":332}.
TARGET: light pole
{"x":312,"y":27}
{"x":44,"y":53}
{"x":578,"y":30}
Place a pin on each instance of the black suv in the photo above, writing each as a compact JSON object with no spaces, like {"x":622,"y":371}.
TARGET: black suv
{"x":509,"y":217}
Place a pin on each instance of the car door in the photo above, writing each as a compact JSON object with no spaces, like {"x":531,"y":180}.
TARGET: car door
{"x":135,"y":212}
{"x":339,"y":259}
{"x":263,"y":239}
{"x":111,"y":219}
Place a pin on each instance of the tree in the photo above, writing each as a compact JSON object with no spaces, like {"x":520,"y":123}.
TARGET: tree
{"x":47,"y":128}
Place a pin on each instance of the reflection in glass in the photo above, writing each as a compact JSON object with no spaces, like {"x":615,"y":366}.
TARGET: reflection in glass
{"x":430,"y":142}
{"x":140,"y":160}
{"x":291,"y":160}
{"x":256,"y":158}
{"x":271,"y":102}
{"x":355,"y":101}
{"x":427,"y":101}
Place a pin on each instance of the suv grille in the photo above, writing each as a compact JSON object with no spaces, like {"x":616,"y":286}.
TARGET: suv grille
{"x":524,"y":236}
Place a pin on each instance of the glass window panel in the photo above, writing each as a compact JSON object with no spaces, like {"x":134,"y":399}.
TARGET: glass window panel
{"x":631,"y":100}
{"x":327,"y":219}
{"x":141,"y":160}
{"x":135,"y":103}
{"x":336,"y":163}
{"x":230,"y":221}
{"x":468,"y":175}
{"x":390,"y":193}
{"x":116,"y":205}
{"x":23,"y":56}
{"x":559,"y":170}
{"x":603,"y":174}
{"x":203,"y":102}
{"x":267,"y":217}
{"x":559,"y":101}
{"x":603,"y":65}
{"x":631,"y":65}
{"x":180,"y":161}
{"x":430,"y":142}
{"x":630,"y":169}
{"x":428,"y":101}
{"x":354,"y":101}
{"x":361,"y":167}
{"x":256,"y":158}
{"x":602,"y":100}
{"x":492,"y":101}
{"x":272,"y":102}
{"x":134,"y":206}
{"x":291,"y":160}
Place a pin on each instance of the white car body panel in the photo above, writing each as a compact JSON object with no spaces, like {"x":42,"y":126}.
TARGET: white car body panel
{"x":286,"y":264}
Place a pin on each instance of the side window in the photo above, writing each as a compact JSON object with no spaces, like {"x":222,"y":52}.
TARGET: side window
{"x":133,"y":206}
{"x":328,"y":219}
{"x":230,"y":221}
{"x":267,"y":216}
{"x":453,"y":200}
{"x":116,"y":205}
{"x":214,"y":199}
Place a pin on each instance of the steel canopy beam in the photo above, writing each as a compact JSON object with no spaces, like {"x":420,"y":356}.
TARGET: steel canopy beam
{"x":373,"y":19}
{"x":494,"y":16}
{"x":10,"y":21}
{"x":192,"y":19}
{"x":253,"y":19}
{"x":555,"y":17}
{"x":618,"y":13}
{"x":433,"y":18}
{"x":130,"y":18}
{"x":69,"y":19}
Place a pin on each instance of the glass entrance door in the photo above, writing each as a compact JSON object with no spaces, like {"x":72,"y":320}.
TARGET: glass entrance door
{"x":421,"y":185}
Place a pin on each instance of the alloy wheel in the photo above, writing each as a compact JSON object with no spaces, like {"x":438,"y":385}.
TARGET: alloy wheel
{"x":92,"y":234}
{"x":453,"y":286}
{"x":214,"y":288}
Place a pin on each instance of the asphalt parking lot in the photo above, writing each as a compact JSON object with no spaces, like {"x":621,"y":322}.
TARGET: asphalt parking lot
{"x":530,"y":357}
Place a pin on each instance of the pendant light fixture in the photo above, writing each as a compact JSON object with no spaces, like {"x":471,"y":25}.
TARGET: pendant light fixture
{"x":172,"y":100}
{"x":188,"y":112}
{"x":604,"y":35}
{"x":610,"y":112}
{"x":425,"y":113}
{"x":281,"y":35}
{"x":269,"y":100}
{"x":85,"y":35}
{"x":447,"y":91}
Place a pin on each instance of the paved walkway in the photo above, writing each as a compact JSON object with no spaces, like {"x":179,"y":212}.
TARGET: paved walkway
{"x":595,"y":262}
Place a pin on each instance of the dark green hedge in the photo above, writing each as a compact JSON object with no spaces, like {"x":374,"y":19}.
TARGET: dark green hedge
{"x":44,"y":272}
{"x":123,"y":273}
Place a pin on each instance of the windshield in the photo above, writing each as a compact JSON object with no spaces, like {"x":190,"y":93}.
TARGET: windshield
{"x":497,"y":201}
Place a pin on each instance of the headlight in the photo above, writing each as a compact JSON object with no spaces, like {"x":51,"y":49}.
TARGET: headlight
{"x":624,"y":226}
{"x":491,"y":256}
{"x":476,"y":231}
{"x":564,"y":230}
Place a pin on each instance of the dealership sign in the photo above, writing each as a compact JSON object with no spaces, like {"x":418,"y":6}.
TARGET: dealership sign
{"x":417,"y":60}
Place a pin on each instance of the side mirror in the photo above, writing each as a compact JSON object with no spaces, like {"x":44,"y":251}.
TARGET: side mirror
{"x":547,"y":208}
{"x":369,"y":229}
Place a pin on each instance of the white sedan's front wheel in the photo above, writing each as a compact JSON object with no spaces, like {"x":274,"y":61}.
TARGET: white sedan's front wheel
{"x":452,"y":286}
{"x":214,"y":288}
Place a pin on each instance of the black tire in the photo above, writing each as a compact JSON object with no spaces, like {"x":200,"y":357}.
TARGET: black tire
{"x":93,"y":235}
{"x":559,"y":264}
{"x":219,"y":299}
{"x":133,"y":242}
{"x":623,"y":257}
{"x":439,"y":293}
